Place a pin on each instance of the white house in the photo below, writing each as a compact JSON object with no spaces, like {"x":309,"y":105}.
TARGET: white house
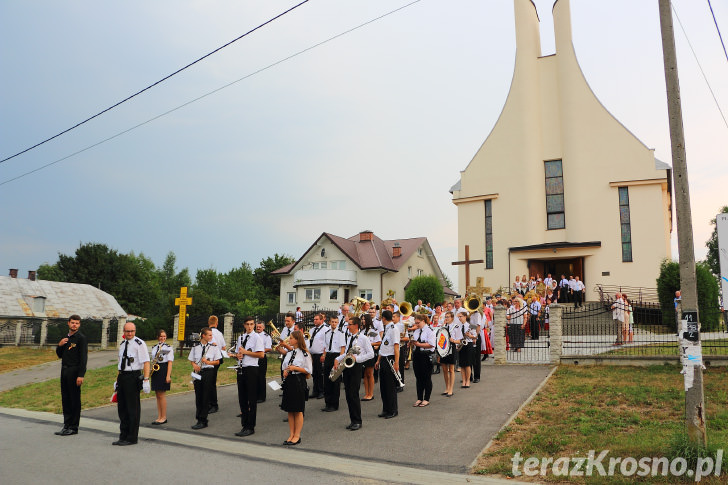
{"x":560,"y":185}
{"x":334,"y":270}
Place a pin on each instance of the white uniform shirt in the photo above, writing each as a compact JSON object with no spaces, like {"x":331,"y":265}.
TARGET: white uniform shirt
{"x":252,"y":342}
{"x":455,"y":330}
{"x":425,"y":335}
{"x":535,"y":308}
{"x":267,"y":341}
{"x":391,"y":337}
{"x":212,"y":353}
{"x":286,"y":332}
{"x":580,"y":285}
{"x":169,"y":356}
{"x":136,"y":354}
{"x":298,"y":358}
{"x":366,"y":350}
{"x":317,"y":342}
{"x":333,"y":340}
{"x":572,"y":284}
{"x":218,"y":338}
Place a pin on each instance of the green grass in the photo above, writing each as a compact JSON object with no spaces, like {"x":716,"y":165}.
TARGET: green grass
{"x":710,"y":347}
{"x":98,"y":386}
{"x":13,"y":358}
{"x":631,"y":411}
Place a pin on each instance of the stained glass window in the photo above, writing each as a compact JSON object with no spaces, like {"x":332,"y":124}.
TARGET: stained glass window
{"x":555,"y":218}
{"x":625,"y":223}
{"x":488,"y":234}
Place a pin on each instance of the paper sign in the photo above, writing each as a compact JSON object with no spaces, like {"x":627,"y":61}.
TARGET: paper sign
{"x":274,"y":385}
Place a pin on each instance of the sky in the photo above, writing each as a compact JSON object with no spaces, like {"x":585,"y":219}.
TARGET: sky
{"x":367,"y":131}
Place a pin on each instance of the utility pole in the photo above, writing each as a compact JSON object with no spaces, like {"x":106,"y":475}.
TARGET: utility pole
{"x":694,"y":399}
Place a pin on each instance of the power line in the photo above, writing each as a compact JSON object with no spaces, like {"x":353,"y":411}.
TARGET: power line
{"x":718,"y":29}
{"x":715,"y":100}
{"x":154,"y":84}
{"x":89,"y":147}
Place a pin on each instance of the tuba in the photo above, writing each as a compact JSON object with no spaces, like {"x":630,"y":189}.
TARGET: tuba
{"x":472,"y":303}
{"x":405,"y":308}
{"x":359,"y":305}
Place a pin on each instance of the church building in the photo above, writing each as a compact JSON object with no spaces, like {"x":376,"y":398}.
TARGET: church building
{"x":560,"y":186}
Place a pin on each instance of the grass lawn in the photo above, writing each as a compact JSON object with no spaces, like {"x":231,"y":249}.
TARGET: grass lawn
{"x":12,"y":358}
{"x":631,"y":411}
{"x":98,"y":386}
{"x":710,"y":347}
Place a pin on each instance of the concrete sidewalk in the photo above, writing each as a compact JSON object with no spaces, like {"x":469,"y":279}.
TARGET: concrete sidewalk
{"x":52,"y":370}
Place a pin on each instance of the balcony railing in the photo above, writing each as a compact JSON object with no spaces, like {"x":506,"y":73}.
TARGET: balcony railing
{"x":308,"y":277}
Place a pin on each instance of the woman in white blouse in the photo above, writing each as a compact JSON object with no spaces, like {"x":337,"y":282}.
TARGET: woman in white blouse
{"x":297,"y":367}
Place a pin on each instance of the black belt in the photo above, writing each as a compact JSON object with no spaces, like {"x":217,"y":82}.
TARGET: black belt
{"x":69,"y":366}
{"x":130,"y":372}
{"x":206,"y":369}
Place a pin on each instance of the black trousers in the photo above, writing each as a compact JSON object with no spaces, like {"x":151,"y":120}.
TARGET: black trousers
{"x":476,"y":357}
{"x":422,"y":367}
{"x":352,"y":383}
{"x":387,"y":386}
{"x":203,"y":393}
{"x":127,"y":394}
{"x":262,"y":371}
{"x":213,"y":392}
{"x":535,"y":324}
{"x":332,"y":390}
{"x":579,"y":298}
{"x":317,"y":375}
{"x":70,"y":397}
{"x":248,"y":396}
{"x":403,"y":352}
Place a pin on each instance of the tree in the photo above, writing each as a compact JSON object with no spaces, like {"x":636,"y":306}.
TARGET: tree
{"x":425,"y":288}
{"x":669,"y":282}
{"x":712,"y":244}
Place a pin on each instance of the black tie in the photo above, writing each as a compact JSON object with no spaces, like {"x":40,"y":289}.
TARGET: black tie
{"x":246,"y":340}
{"x":124,"y":357}
{"x":351,"y":341}
{"x":331,"y":340}
{"x":313,"y":335}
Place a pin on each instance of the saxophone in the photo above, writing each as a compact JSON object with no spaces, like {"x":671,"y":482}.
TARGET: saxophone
{"x":347,"y":363}
{"x":158,"y":359}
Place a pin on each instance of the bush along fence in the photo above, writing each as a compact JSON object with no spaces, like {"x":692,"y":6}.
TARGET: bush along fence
{"x":40,"y":332}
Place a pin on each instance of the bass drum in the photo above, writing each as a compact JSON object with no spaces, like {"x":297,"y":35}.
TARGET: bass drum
{"x":443,"y":345}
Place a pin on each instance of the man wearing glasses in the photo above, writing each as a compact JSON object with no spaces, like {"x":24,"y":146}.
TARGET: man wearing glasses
{"x":133,"y":363}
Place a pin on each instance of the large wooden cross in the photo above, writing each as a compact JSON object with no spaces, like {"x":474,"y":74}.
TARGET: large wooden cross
{"x":467,"y":264}
{"x":182,"y":303}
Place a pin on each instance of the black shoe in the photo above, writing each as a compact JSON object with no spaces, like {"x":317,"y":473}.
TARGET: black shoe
{"x":285,"y":420}
{"x":157,"y":423}
{"x":400,"y":389}
{"x":213,"y":410}
{"x":68,"y":432}
{"x":475,"y":381}
{"x":126,"y":443}
{"x":484,"y":358}
{"x":60,"y":432}
{"x":239,"y":415}
{"x":328,"y":409}
{"x":260,"y":401}
{"x":382,"y":415}
{"x":120,"y":443}
{"x":320,"y":396}
{"x":390,"y":416}
{"x":291,"y":443}
{"x":354,"y":426}
{"x":245,"y":432}
{"x":199,"y":425}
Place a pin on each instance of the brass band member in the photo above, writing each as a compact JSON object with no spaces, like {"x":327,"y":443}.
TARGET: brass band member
{"x":297,"y":367}
{"x":250,"y":349}
{"x":389,"y":350}
{"x":262,"y":362}
{"x":204,"y":357}
{"x":448,"y":362}
{"x":466,"y":351}
{"x":219,"y":340}
{"x":163,"y":356}
{"x":73,"y":352}
{"x":423,"y":342}
{"x":370,"y":331}
{"x":317,"y":346}
{"x":403,"y":341}
{"x":133,"y":364}
{"x":352,"y":376}
{"x":335,"y":342}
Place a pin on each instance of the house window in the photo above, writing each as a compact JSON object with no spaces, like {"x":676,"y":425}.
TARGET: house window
{"x":313,"y":294}
{"x":419,"y":251}
{"x":625,"y":223}
{"x":338,"y":264}
{"x":323,"y":252}
{"x":555,"y":218}
{"x":366,"y":294}
{"x":324,"y":265}
{"x":409,"y":271}
{"x":420,"y":272}
{"x":333,"y":293}
{"x":488,"y":234}
{"x":314,"y":266}
{"x":291,"y":297}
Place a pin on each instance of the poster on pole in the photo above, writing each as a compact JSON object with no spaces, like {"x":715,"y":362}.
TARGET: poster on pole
{"x":722,"y":226}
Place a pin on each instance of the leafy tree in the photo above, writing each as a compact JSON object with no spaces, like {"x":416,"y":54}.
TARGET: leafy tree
{"x":669,"y":282}
{"x":49,"y":272}
{"x":712,"y":244}
{"x":425,"y":288}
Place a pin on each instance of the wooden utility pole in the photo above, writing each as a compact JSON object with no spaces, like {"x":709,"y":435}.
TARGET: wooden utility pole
{"x":694,"y":400}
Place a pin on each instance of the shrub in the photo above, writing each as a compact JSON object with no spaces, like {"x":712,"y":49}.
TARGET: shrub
{"x":669,"y":282}
{"x":426,"y":288}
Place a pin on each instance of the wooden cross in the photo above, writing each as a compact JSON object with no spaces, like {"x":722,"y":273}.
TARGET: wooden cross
{"x":182,"y":303}
{"x":467,"y":264}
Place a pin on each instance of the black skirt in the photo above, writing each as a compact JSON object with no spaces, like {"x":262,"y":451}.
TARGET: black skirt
{"x":448,"y":359}
{"x":464,"y":357}
{"x":294,"y":393}
{"x":159,"y":378}
{"x":370,"y":362}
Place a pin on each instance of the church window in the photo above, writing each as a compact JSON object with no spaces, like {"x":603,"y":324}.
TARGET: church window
{"x":555,"y":218}
{"x":626,"y":224}
{"x":488,"y":234}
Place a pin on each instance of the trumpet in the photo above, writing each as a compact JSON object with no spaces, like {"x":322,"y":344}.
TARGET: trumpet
{"x":347,"y":363}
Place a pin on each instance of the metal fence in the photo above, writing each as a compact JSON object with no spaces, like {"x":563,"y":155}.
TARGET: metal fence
{"x":591,"y":330}
{"x":527,"y":338}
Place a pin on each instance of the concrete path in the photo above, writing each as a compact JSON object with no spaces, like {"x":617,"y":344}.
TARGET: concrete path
{"x":52,"y":370}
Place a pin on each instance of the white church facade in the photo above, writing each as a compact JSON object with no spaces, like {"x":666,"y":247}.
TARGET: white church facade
{"x":560,"y":185}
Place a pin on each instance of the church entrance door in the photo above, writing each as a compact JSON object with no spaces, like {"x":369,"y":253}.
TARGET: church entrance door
{"x":557,"y":267}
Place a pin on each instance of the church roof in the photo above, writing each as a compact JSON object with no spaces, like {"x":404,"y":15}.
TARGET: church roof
{"x":20,"y":297}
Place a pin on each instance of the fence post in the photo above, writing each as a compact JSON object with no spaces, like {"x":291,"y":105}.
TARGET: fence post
{"x":18,"y":332}
{"x":175,"y":332}
{"x":499,"y":335}
{"x":43,"y":331}
{"x":105,"y":332}
{"x":227,"y":320}
{"x":120,"y":329}
{"x":556,"y":333}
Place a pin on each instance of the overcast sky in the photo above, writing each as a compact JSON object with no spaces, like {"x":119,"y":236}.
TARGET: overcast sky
{"x":368,"y":131}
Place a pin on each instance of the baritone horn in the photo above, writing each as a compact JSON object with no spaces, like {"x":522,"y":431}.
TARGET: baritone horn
{"x":359,"y":305}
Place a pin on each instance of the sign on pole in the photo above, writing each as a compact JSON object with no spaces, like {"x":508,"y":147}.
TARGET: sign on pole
{"x":721,"y":222}
{"x":182,"y":303}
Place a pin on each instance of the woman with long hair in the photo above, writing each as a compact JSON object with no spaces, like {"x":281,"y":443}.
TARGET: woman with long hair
{"x":297,"y":367}
{"x":376,"y":340}
{"x":162,"y":355}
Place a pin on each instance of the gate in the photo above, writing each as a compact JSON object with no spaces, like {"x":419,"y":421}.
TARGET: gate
{"x":527,"y":338}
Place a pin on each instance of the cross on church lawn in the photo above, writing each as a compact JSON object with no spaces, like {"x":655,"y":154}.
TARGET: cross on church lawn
{"x":467,"y":264}
{"x":182,"y":303}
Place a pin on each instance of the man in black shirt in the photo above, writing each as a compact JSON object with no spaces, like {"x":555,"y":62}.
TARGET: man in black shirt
{"x":73,"y":352}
